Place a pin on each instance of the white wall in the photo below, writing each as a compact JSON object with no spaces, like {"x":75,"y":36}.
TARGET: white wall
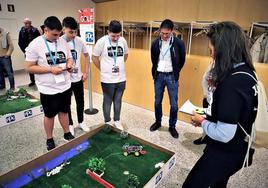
{"x":37,"y":10}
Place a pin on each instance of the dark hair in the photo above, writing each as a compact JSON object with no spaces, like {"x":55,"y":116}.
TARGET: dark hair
{"x":231,"y":46}
{"x":167,"y":24}
{"x":52,"y":22}
{"x":115,"y":26}
{"x":70,"y":22}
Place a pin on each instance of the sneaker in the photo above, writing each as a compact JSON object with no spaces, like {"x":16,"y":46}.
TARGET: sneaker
{"x":118,"y":125}
{"x":68,"y":136}
{"x":155,"y":126}
{"x":108,"y":123}
{"x":50,"y":144}
{"x":71,"y":128}
{"x":201,"y":140}
{"x":173,"y":132}
{"x":83,"y":127}
{"x":31,"y":84}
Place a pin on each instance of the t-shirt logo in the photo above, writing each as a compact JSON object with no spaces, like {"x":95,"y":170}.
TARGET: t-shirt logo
{"x":61,"y":58}
{"x":74,"y":54}
{"x":111,"y":50}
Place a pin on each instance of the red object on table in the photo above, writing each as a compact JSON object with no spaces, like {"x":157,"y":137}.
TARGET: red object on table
{"x":99,"y":179}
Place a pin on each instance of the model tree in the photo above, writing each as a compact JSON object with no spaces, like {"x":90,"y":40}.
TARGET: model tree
{"x":9,"y":93}
{"x":22,"y":92}
{"x":96,"y":165}
{"x":66,"y":186}
{"x":133,"y":181}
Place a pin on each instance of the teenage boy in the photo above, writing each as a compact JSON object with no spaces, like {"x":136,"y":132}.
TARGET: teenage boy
{"x":78,"y":48}
{"x":109,"y":56}
{"x":50,"y":59}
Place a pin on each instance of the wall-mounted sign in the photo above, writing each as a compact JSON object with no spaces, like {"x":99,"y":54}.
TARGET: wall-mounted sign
{"x":86,"y":21}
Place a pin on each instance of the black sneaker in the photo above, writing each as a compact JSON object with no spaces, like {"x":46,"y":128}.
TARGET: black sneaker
{"x":31,"y":84}
{"x":173,"y":132}
{"x":50,"y":144}
{"x":155,"y":126}
{"x":200,"y":141}
{"x":68,"y":136}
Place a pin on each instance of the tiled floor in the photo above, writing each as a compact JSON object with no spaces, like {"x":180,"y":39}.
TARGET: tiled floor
{"x":25,"y":140}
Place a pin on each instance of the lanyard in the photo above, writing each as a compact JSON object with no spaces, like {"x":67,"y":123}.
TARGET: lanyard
{"x":164,"y":54}
{"x":54,"y":59}
{"x":114,"y":54}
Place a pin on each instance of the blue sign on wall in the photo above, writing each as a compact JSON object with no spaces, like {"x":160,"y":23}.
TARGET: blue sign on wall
{"x":89,"y":36}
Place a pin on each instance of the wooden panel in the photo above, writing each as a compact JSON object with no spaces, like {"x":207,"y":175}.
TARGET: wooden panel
{"x":140,"y":90}
{"x":211,"y":10}
{"x":241,"y":11}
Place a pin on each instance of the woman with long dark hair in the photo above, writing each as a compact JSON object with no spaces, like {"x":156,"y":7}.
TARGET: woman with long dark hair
{"x":232,"y":109}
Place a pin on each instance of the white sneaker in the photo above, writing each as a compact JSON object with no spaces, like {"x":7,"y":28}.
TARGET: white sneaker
{"x":118,"y":125}
{"x":83,"y":127}
{"x":109,"y":123}
{"x":71,"y":128}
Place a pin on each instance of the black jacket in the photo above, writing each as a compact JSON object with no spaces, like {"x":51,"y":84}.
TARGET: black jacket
{"x":177,"y":52}
{"x":25,"y":37}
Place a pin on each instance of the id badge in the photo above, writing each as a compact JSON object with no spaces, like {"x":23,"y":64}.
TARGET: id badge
{"x":59,"y":78}
{"x":115,"y":70}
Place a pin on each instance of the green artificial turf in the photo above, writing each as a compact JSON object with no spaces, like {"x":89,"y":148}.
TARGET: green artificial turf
{"x":109,"y":147}
{"x":16,"y":105}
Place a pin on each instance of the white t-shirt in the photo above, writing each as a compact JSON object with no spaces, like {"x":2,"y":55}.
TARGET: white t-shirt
{"x":105,"y":52}
{"x":37,"y":51}
{"x":165,"y":62}
{"x":77,"y":47}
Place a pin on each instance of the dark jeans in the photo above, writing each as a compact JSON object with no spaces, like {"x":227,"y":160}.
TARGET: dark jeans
{"x":77,"y":89}
{"x":162,"y":80}
{"x":32,"y":78}
{"x":216,"y":166}
{"x":112,"y":93}
{"x":5,"y":64}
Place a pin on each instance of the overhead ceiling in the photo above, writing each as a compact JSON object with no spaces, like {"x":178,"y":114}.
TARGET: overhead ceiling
{"x":101,"y":1}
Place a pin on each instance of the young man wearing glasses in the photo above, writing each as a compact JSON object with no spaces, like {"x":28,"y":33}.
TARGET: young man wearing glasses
{"x":109,"y":56}
{"x":77,"y":48}
{"x":168,"y":57}
{"x":50,"y":59}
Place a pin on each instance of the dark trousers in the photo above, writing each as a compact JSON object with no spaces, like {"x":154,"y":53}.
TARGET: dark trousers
{"x":5,"y":65}
{"x":32,"y":78}
{"x":166,"y":80}
{"x":214,"y":168}
{"x":77,"y":89}
{"x":112,"y":93}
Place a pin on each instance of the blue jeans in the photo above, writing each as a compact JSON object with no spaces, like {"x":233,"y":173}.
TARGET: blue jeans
{"x":112,"y":93}
{"x":162,"y":80}
{"x":5,"y":64}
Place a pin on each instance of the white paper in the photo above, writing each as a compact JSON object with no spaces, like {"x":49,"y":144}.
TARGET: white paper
{"x":188,"y":108}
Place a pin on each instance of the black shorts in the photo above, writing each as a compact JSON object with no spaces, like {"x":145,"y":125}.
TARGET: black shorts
{"x":53,"y":104}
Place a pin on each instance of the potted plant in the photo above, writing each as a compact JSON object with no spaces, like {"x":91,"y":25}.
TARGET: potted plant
{"x":22,"y":93}
{"x":97,"y":165}
{"x":9,"y":93}
{"x":133,"y":181}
